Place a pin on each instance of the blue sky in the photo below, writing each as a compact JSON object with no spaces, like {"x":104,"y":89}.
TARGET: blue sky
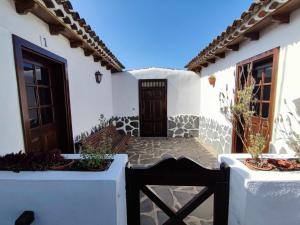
{"x":160,"y":33}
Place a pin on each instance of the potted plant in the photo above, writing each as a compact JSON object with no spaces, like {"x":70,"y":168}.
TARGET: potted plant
{"x":212,"y":80}
{"x":96,"y":158}
{"x":91,"y":159}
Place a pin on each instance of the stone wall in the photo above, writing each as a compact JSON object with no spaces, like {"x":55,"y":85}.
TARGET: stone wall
{"x":128,"y":125}
{"x":216,"y":135}
{"x":183,"y":126}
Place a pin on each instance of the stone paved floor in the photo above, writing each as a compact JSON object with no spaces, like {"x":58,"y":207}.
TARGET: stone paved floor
{"x":143,"y":151}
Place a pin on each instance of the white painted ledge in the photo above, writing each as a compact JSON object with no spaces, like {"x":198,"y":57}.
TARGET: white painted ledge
{"x":66,"y":197}
{"x":262,"y":197}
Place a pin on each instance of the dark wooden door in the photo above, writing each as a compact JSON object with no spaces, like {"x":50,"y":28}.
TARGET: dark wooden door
{"x":42,"y":115}
{"x":39,"y":85}
{"x":153,"y":108}
{"x":44,"y":98}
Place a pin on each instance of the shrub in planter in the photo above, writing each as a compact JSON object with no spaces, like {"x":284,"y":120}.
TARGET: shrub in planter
{"x":33,"y":161}
{"x":92,"y":159}
{"x":98,"y":158}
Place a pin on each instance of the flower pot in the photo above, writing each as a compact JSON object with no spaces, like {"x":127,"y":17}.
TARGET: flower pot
{"x":251,"y":165}
{"x":212,"y":81}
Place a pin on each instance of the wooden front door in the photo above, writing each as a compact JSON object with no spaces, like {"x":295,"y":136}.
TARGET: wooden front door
{"x":44,"y":99}
{"x":40,"y":88}
{"x":264,"y":71}
{"x":153,"y":108}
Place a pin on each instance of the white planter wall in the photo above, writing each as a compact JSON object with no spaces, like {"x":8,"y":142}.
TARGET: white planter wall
{"x":262,"y":197}
{"x":183,"y":94}
{"x":66,"y":198}
{"x":83,"y":88}
{"x":285,"y":36}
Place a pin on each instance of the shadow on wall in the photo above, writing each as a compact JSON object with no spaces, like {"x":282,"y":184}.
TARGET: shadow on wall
{"x":216,"y":135}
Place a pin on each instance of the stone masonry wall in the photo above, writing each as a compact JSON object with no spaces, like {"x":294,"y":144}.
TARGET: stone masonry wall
{"x":128,"y":125}
{"x":216,"y":135}
{"x":183,"y":126}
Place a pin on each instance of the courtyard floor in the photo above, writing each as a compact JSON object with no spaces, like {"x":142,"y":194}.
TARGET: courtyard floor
{"x":145,"y":151}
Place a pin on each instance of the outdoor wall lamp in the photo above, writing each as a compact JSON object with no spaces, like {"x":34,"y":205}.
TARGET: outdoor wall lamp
{"x":98,"y":77}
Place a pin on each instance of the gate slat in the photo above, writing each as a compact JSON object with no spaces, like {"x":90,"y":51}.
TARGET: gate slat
{"x":178,"y":172}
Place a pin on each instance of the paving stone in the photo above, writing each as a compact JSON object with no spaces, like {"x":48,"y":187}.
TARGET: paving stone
{"x":147,"y":220}
{"x":146,"y":205}
{"x":162,"y":217}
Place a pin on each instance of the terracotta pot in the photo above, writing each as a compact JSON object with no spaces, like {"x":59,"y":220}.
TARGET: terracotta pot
{"x":63,"y":167}
{"x":250,"y":165}
{"x":212,"y":81}
{"x":285,"y":164}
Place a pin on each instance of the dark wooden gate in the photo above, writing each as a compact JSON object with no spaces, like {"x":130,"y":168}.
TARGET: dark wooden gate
{"x":153,"y":108}
{"x":180,"y":172}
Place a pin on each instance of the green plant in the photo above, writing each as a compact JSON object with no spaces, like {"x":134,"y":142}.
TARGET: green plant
{"x":241,"y":114}
{"x":95,"y":158}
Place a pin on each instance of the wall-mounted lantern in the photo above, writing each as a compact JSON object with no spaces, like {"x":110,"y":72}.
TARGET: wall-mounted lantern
{"x":98,"y":77}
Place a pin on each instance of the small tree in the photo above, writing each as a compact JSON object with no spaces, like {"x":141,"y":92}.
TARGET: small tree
{"x":240,"y":115}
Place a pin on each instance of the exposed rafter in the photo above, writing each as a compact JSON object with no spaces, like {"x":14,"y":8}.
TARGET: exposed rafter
{"x":56,"y":29}
{"x":253,"y":36}
{"x":62,"y":19}
{"x":212,"y":60}
{"x":281,"y":18}
{"x":261,"y":13}
{"x":234,"y":47}
{"x":25,"y":6}
{"x":76,"y":44}
{"x":88,"y":52}
{"x":221,"y":55}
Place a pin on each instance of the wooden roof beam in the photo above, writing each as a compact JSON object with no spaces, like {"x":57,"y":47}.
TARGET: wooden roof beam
{"x":212,"y":60}
{"x":204,"y":65}
{"x":76,"y":44}
{"x":25,"y":6}
{"x":281,"y":18}
{"x":56,"y":29}
{"x":234,"y":47}
{"x":88,"y":52}
{"x":104,"y":63}
{"x":220,"y":55}
{"x":253,"y":36}
{"x":49,"y":4}
{"x":113,"y":70}
{"x":197,"y":69}
{"x":97,"y":59}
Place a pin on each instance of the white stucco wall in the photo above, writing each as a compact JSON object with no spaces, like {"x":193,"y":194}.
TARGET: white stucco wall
{"x":183,"y":104}
{"x":183,"y":91}
{"x":88,"y":99}
{"x":285,"y":36}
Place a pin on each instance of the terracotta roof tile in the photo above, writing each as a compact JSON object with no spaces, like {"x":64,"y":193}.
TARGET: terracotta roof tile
{"x":258,"y":11}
